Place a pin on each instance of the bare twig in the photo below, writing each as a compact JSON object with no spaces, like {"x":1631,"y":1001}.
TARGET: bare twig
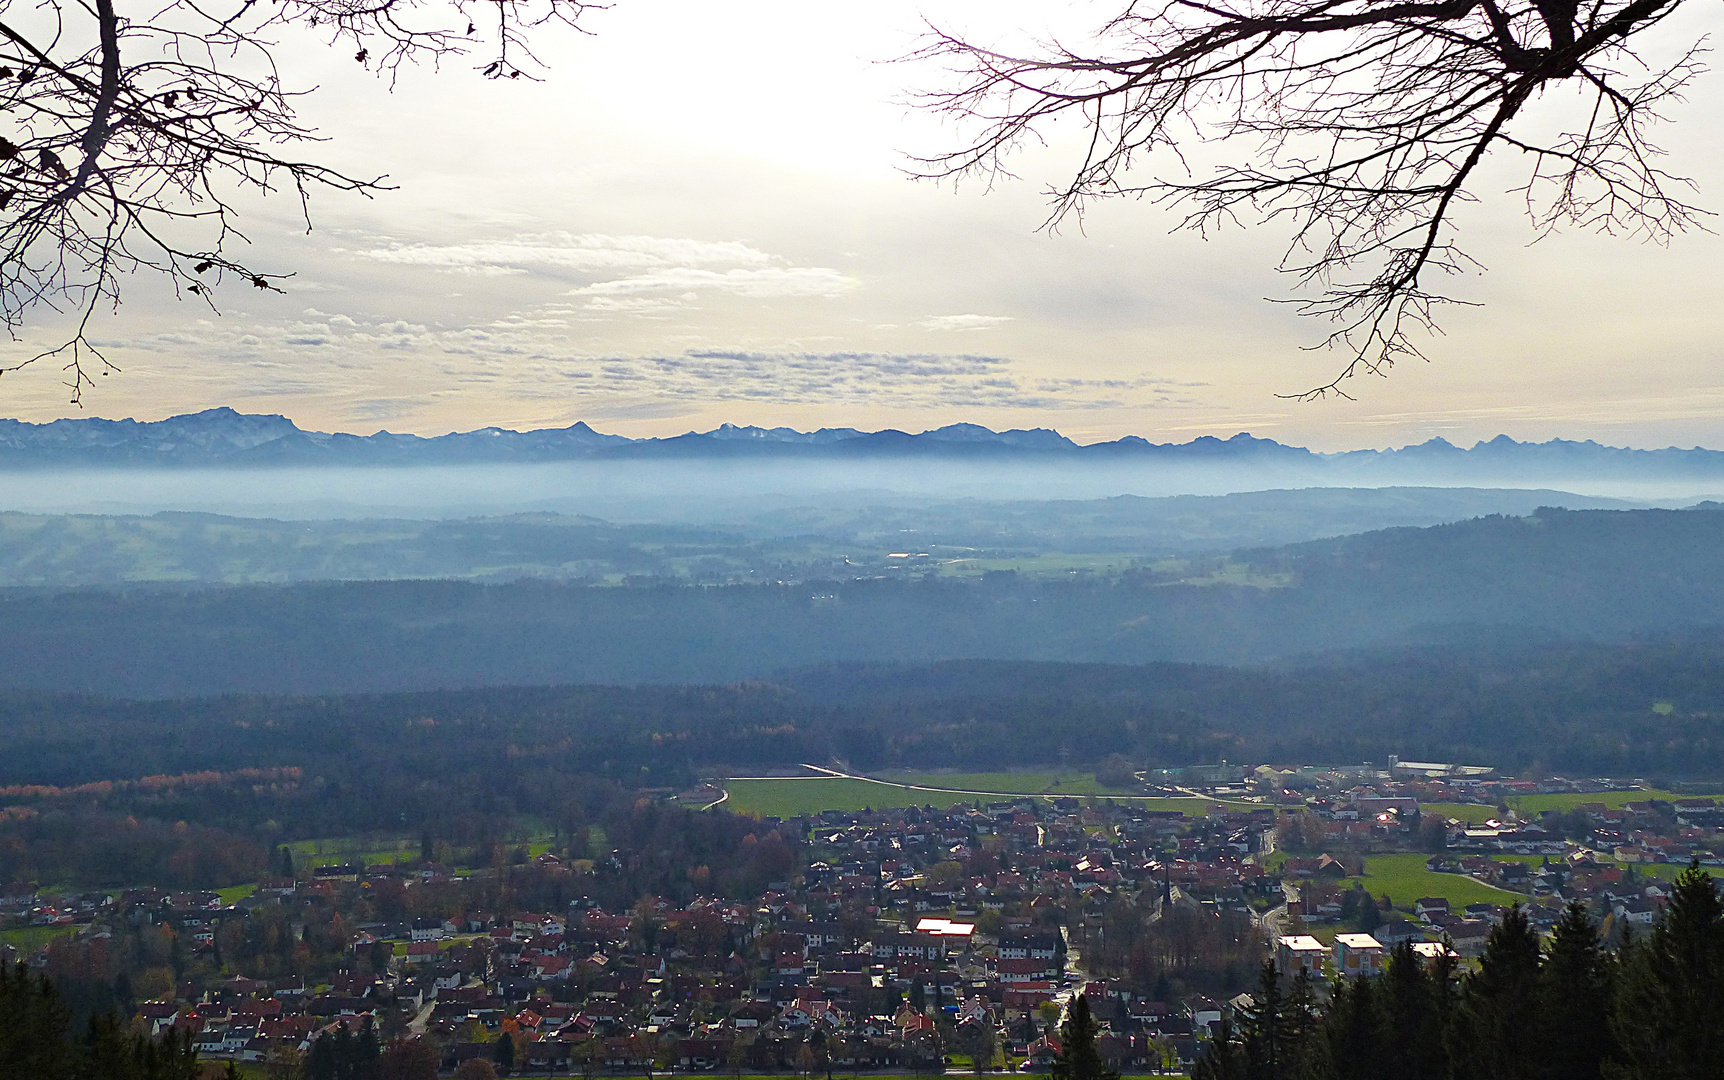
{"x":124,"y":140}
{"x":1362,"y":123}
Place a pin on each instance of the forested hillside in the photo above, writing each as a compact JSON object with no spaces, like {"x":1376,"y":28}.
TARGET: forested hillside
{"x":1556,"y":575}
{"x":1655,"y":706}
{"x":195,"y":791}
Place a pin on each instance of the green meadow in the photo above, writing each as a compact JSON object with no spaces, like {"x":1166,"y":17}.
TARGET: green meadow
{"x":1535,"y":804}
{"x":1009,"y":783}
{"x":1404,"y":879}
{"x":1471,"y":813}
{"x":792,"y":796}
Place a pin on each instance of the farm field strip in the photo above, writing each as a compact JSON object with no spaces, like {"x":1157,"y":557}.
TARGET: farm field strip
{"x":1007,"y":783}
{"x":1525,"y":804}
{"x":789,"y":796}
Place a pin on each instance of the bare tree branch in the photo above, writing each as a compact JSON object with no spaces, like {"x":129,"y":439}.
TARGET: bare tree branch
{"x":1359,"y":123}
{"x":170,"y":114}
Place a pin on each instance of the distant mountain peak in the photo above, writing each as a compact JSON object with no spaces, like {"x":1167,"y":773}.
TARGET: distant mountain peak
{"x":223,"y":436}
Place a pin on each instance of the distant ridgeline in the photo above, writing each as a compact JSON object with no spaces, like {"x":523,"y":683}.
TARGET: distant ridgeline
{"x":1553,"y":575}
{"x":223,"y":437}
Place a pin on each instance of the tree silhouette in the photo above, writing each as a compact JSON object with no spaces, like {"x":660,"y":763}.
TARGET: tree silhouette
{"x":1362,"y":124}
{"x":129,"y":135}
{"x":1078,"y":1058}
{"x":1669,"y":1021}
{"x":1577,"y":984}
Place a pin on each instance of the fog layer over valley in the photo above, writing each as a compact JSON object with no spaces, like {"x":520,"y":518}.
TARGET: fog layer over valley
{"x":877,"y":534}
{"x":219,"y":552}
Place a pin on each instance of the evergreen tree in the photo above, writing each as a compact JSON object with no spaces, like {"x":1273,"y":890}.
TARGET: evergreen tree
{"x":1575,"y":992}
{"x":320,"y":1059}
{"x":503,"y":1053}
{"x":1271,"y":1031}
{"x":1303,"y":1015}
{"x":1224,"y":1059}
{"x":1493,"y":1037}
{"x":1163,"y":989}
{"x":1669,"y":1022}
{"x":1347,"y":1043}
{"x":343,"y":1053}
{"x":1414,"y":1017}
{"x":1369,"y":916}
{"x":33,"y":1034}
{"x":367,"y":1049}
{"x":1078,"y":1058}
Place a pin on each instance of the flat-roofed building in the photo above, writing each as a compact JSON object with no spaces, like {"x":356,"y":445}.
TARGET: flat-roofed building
{"x":1299,"y":953}
{"x":1359,"y":954}
{"x":1432,"y":951}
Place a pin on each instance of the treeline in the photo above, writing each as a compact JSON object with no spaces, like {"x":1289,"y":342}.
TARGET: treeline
{"x":37,"y":1041}
{"x":95,"y":847}
{"x":1650,"y":708}
{"x":1555,"y":575}
{"x":198,"y":791}
{"x":1653,"y":1010}
{"x":632,"y":846}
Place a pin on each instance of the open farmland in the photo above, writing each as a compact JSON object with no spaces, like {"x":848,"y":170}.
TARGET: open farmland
{"x":1471,"y":813}
{"x":1535,"y":804}
{"x":1009,"y":783}
{"x":1403,"y":878}
{"x":791,"y":796}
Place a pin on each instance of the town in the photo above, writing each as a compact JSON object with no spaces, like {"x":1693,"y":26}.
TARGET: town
{"x":902,"y":939}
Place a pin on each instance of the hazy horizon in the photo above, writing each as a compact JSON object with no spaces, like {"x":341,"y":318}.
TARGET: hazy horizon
{"x":658,"y":255}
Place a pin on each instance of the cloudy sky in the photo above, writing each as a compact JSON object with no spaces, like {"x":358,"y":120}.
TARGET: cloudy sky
{"x":701,"y":215}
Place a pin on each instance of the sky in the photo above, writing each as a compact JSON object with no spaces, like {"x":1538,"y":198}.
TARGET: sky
{"x":701,"y":214}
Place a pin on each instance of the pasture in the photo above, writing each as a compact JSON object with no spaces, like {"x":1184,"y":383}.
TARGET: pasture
{"x":1526,"y":805}
{"x":1404,"y":879}
{"x":795,"y":795}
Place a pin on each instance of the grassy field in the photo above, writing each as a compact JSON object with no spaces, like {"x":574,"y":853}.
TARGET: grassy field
{"x":1403,"y":878}
{"x":1469,"y":812}
{"x":28,"y":939}
{"x":370,"y":850}
{"x":795,"y":795}
{"x":1047,"y":563}
{"x":1534,"y":804}
{"x":1661,"y":871}
{"x":791,"y":796}
{"x":1009,"y":783}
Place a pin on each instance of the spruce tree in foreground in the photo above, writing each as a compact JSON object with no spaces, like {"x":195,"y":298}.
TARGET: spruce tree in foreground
{"x":1078,"y":1058}
{"x":1417,"y":1011}
{"x":1576,"y":985}
{"x":1495,"y":1033}
{"x":1273,"y":1036}
{"x":36,"y":1042}
{"x":1669,"y":1016}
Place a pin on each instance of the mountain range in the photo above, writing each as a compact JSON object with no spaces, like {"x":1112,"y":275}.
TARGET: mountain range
{"x":225,"y":438}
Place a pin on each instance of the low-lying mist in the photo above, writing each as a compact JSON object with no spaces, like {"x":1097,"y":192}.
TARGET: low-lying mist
{"x":696,"y":491}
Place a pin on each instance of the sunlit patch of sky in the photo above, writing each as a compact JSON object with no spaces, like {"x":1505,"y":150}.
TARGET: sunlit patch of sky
{"x":701,"y":215}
